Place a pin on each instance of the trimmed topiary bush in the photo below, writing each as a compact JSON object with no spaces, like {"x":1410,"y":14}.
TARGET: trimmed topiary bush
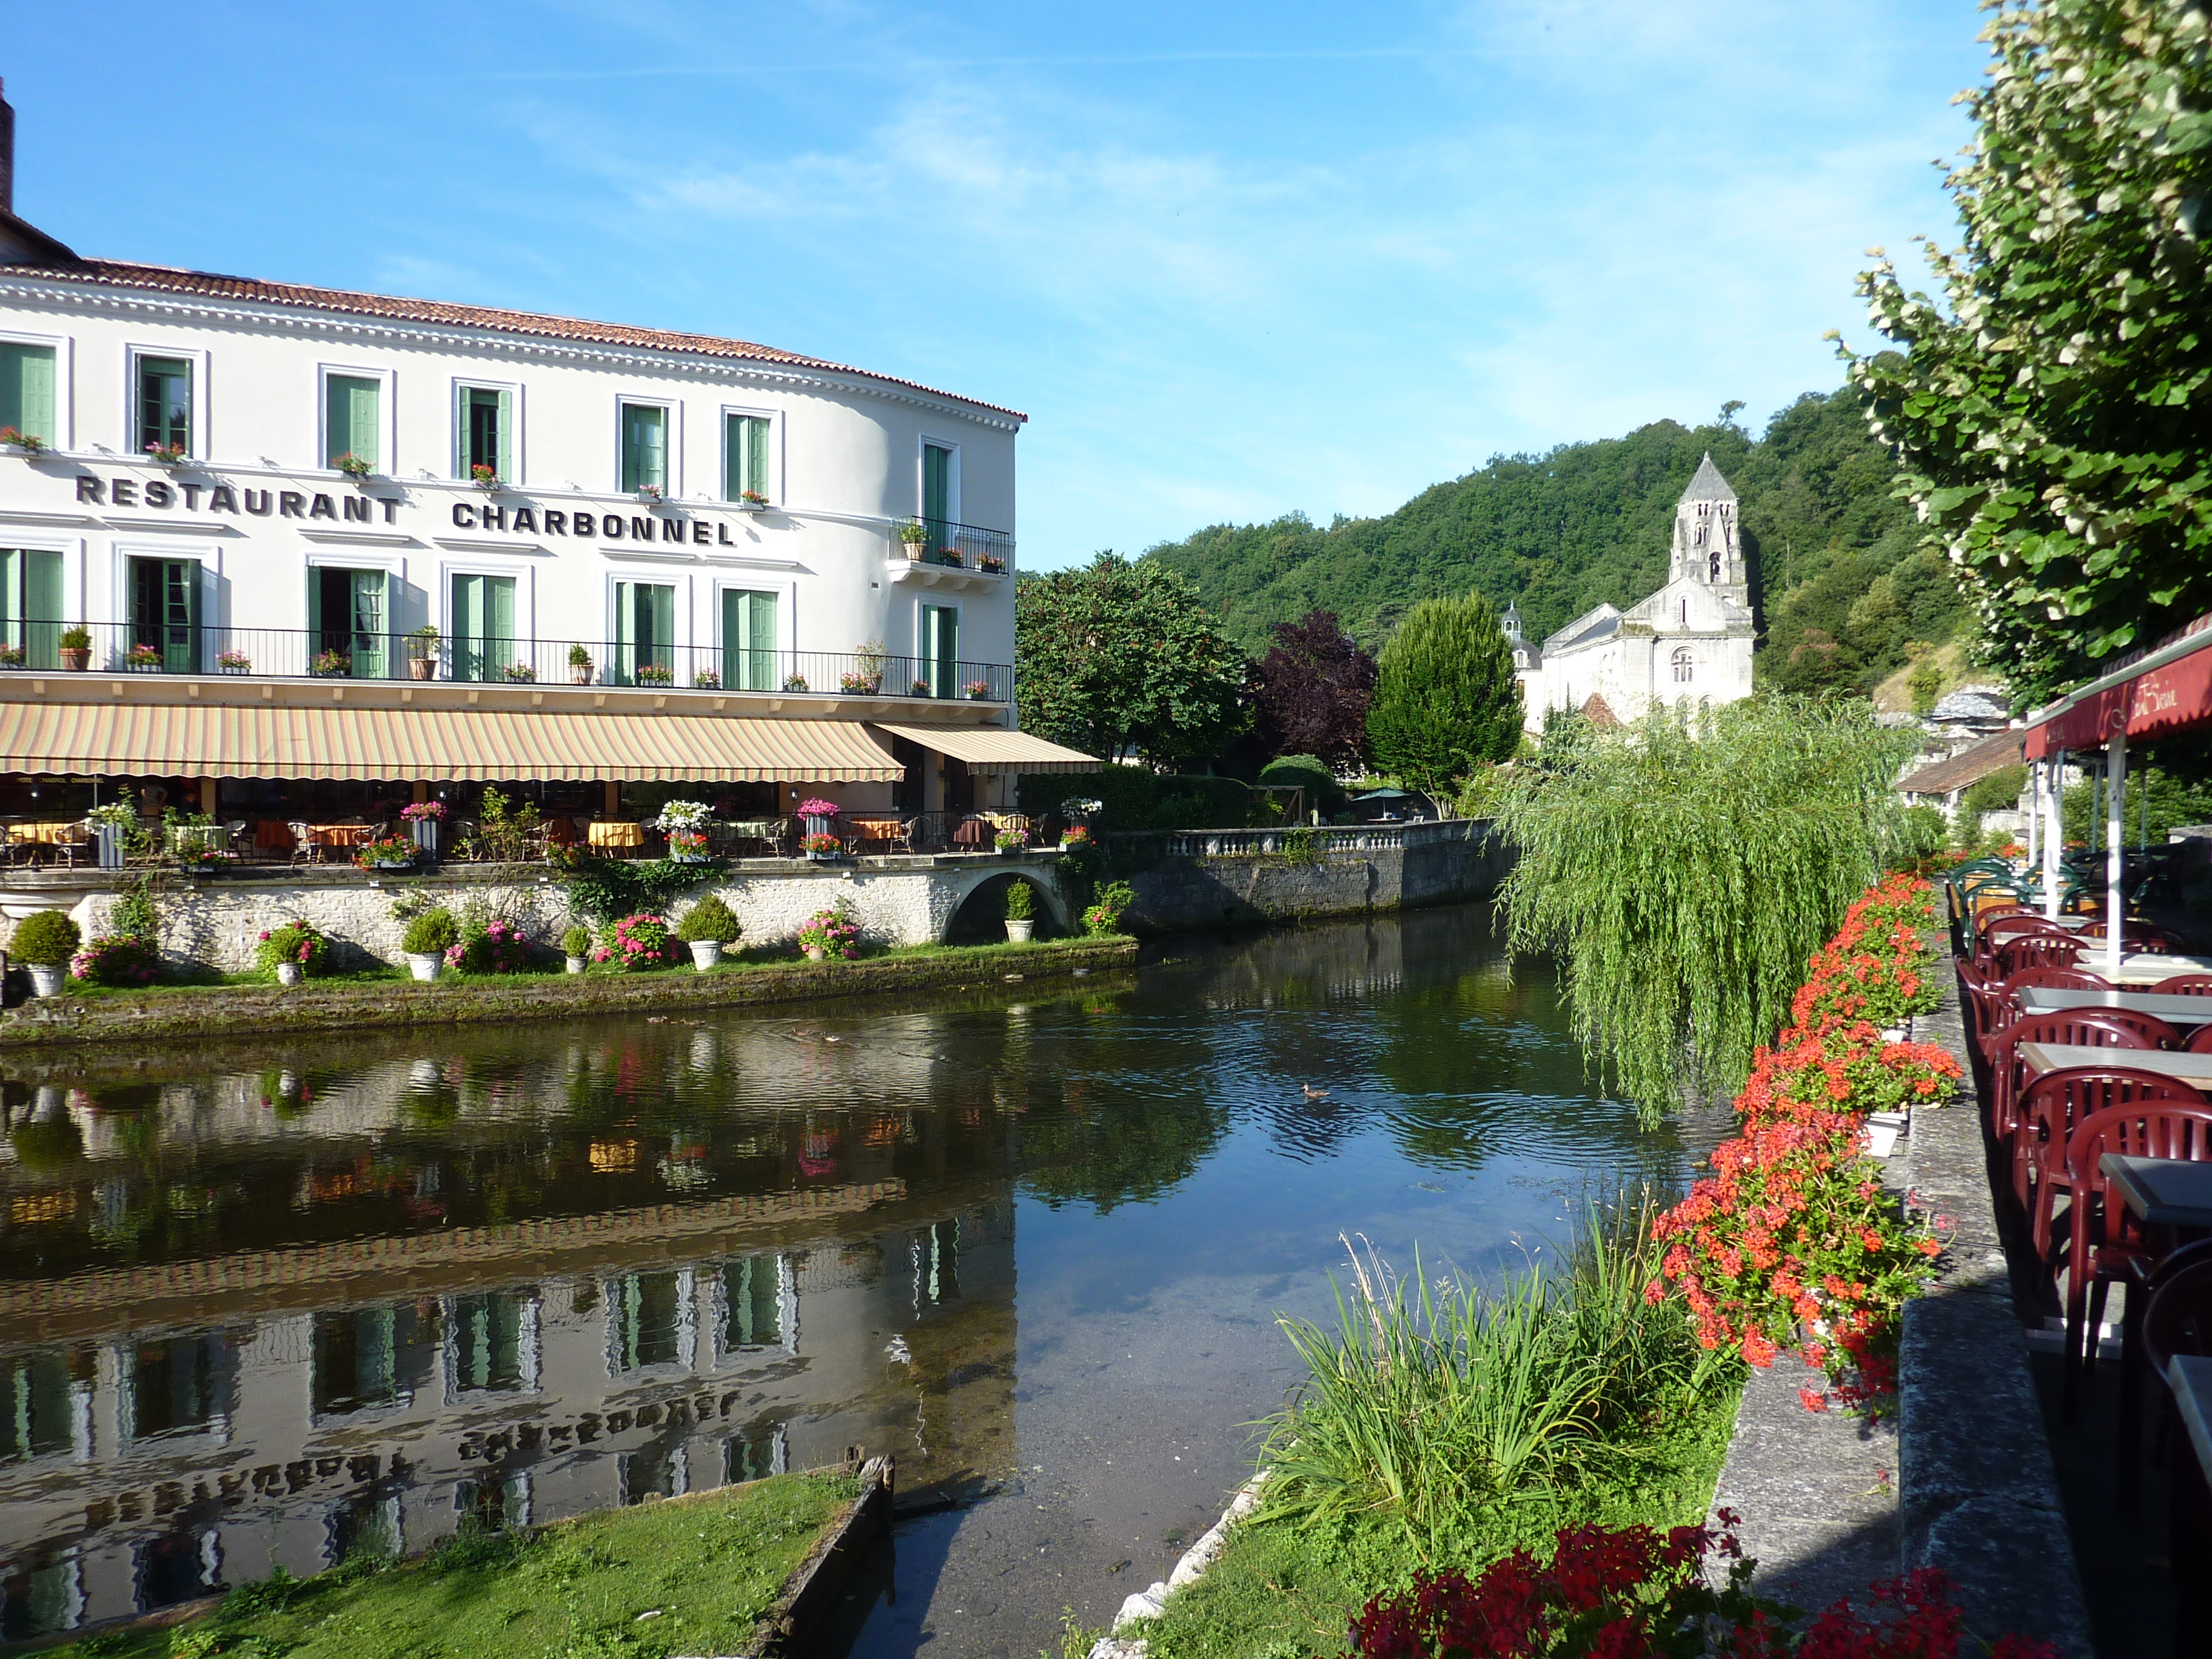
{"x":1323,"y":793}
{"x":1021,"y":904}
{"x":709,"y":918}
{"x":46,"y":938}
{"x":432,"y":933}
{"x":576,"y":942}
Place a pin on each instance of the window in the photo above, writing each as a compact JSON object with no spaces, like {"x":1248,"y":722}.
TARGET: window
{"x":488,"y":1341}
{"x":176,"y":1385}
{"x":165,"y":611}
{"x":28,"y":402}
{"x":39,"y":1389}
{"x":644,"y":447}
{"x":487,"y":432}
{"x":940,"y":650}
{"x":752,"y":1289}
{"x":353,"y":419}
{"x":165,"y":404}
{"x":1683,"y":663}
{"x":347,"y":629}
{"x":31,"y":606}
{"x":749,"y":640}
{"x":939,"y":491}
{"x":645,"y":634}
{"x":745,"y":456}
{"x":482,"y":622}
{"x":645,"y":1316}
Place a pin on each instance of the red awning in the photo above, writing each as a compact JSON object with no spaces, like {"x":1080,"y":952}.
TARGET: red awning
{"x":2167,"y":691}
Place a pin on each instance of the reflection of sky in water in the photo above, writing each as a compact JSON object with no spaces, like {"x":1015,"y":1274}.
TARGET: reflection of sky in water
{"x":805,"y":1226}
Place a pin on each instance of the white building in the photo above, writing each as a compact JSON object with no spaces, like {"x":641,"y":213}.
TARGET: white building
{"x":402,"y":539}
{"x":1689,"y":644}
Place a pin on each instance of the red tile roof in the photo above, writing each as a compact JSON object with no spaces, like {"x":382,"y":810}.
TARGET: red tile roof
{"x":1970,"y":765}
{"x":167,"y":279}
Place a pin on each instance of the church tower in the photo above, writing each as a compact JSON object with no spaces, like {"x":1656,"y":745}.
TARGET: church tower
{"x":1707,"y":545}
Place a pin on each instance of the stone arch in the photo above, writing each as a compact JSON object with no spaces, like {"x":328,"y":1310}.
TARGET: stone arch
{"x":991,"y":884}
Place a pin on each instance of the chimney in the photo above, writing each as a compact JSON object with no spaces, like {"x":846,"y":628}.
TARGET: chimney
{"x":7,"y":152}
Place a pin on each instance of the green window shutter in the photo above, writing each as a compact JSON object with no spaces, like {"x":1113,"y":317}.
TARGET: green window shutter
{"x":941,"y":648}
{"x":625,"y":663}
{"x":314,"y":610}
{"x":505,"y":416}
{"x":757,"y":455}
{"x":366,"y":399}
{"x":658,"y":622}
{"x":41,"y":613}
{"x":12,"y":606}
{"x":165,"y":392}
{"x":370,"y":645}
{"x":645,"y":446}
{"x":936,"y":489}
{"x":26,"y":391}
{"x":749,"y":640}
{"x":734,"y":483}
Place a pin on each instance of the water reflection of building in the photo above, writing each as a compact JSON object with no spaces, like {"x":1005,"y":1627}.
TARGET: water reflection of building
{"x":140,"y":1466}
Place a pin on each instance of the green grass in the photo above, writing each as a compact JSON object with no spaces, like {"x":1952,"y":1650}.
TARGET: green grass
{"x":707,"y":1567}
{"x":1442,"y":1425}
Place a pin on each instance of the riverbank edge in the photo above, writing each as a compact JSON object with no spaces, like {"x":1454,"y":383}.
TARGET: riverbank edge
{"x":1190,"y":1567}
{"x":276,"y":1010}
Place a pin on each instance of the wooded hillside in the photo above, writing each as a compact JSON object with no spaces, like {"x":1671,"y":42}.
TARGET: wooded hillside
{"x":1842,"y":589}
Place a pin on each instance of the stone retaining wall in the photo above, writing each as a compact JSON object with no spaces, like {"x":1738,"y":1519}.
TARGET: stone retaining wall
{"x":216,"y":921}
{"x":1205,"y":891}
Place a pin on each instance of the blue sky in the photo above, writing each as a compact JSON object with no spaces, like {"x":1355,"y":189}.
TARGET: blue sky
{"x":1232,"y":259}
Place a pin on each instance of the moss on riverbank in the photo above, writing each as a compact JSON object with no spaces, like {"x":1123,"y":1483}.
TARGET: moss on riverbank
{"x":687,"y":1576}
{"x":366,"y":1001}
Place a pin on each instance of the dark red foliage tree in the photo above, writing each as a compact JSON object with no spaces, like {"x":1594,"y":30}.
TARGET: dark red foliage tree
{"x":1311,"y":691}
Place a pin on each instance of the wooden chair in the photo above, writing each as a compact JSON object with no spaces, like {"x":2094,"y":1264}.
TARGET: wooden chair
{"x":2159,"y":1117}
{"x":2169,"y":1312}
{"x":2184,"y":985}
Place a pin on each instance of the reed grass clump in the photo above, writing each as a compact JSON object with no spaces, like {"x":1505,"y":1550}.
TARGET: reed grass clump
{"x":1457,"y":1414}
{"x":1684,"y":870}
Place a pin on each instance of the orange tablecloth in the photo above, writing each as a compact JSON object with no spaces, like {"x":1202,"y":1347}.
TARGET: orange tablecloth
{"x":273,"y":833}
{"x":46,"y":834}
{"x":339,"y":834}
{"x":877,"y":828}
{"x":974,"y":832}
{"x":614,"y":833}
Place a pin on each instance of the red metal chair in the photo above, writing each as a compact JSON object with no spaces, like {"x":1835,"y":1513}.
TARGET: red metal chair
{"x":2149,"y":1116}
{"x":2009,"y":1126}
{"x":2184,"y":985}
{"x":2169,"y":1312}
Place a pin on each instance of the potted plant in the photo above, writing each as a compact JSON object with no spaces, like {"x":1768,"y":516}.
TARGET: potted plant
{"x":750,"y":500}
{"x":354,"y":467}
{"x":919,"y":688}
{"x":575,"y":946}
{"x":915,"y":538}
{"x":12,"y":656}
{"x":706,"y":679}
{"x":656,"y":673}
{"x":822,"y":848}
{"x":111,"y":825}
{"x":45,"y":940}
{"x":707,"y":926}
{"x":794,"y":682}
{"x":392,"y":853}
{"x":1010,"y":841}
{"x":818,"y":817}
{"x":291,"y":951}
{"x":977,"y":690}
{"x":332,"y":664}
{"x":991,"y":563}
{"x":430,"y":933}
{"x":651,"y":494}
{"x":234,"y":662}
{"x":17,"y":442}
{"x":828,"y":933}
{"x":424,"y":817}
{"x":520,"y":672}
{"x":484,"y":477}
{"x":167,"y":454}
{"x":635,"y":942}
{"x":684,"y":823}
{"x":949,"y":555}
{"x":1021,"y":912}
{"x":76,"y":647}
{"x":422,"y":653}
{"x":579,"y":666}
{"x":144,"y":659}
{"x":862,"y":685}
{"x":1077,"y":838}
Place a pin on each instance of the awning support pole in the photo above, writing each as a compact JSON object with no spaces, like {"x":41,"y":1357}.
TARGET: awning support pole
{"x":2115,"y":853}
{"x":2054,"y":831}
{"x":2034,"y":814}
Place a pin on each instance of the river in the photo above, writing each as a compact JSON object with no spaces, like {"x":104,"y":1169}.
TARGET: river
{"x":265,"y":1303}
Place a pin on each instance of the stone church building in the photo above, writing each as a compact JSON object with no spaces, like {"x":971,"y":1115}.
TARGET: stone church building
{"x":1689,"y":643}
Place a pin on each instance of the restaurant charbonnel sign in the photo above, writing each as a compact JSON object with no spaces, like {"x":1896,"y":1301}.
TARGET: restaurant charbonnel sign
{"x":526,"y":520}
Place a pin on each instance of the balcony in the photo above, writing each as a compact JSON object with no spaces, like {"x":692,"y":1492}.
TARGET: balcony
{"x":337,"y":657}
{"x":958,"y":555}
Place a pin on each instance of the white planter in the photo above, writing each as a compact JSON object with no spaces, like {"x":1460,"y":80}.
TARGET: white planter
{"x":1882,"y":1131}
{"x":290,"y":973}
{"x":688,"y":858}
{"x":705,"y":953}
{"x":424,"y":965}
{"x":816,"y":953}
{"x":575,"y":964}
{"x":1017,"y":933}
{"x":1898,"y":1033}
{"x":46,"y":979}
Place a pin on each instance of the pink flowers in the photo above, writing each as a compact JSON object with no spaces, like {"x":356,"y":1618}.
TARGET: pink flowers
{"x":640,"y":941}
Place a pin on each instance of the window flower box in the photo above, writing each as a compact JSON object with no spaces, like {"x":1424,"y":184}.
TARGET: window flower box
{"x":393,"y":853}
{"x":750,"y":500}
{"x":12,"y":656}
{"x":332,"y":665}
{"x":14,"y":441}
{"x":354,"y":467}
{"x":651,"y":495}
{"x":656,"y":673}
{"x":520,"y":672}
{"x":234,"y":662}
{"x":794,"y":683}
{"x":144,"y":659}
{"x":977,"y":690}
{"x":167,"y":454}
{"x":486,"y":477}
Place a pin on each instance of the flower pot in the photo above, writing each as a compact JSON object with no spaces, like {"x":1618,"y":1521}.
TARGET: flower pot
{"x":290,"y":973}
{"x":574,"y":964}
{"x":705,"y":953}
{"x":823,"y":857}
{"x":688,"y":856}
{"x":1882,"y":1131}
{"x":426,"y":836}
{"x":816,"y":953}
{"x":46,"y":979}
{"x":1017,"y":933}
{"x":392,"y":864}
{"x":1898,"y":1033}
{"x":579,"y":677}
{"x":422,"y":668}
{"x":425,"y":964}
{"x":913,"y":552}
{"x":76,"y":659}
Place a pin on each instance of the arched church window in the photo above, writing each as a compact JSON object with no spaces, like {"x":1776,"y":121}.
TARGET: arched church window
{"x":1683,"y":662}
{"x":1716,"y":567}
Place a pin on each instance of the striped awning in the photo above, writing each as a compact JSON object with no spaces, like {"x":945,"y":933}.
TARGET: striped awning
{"x":464,"y":746}
{"x":993,"y":749}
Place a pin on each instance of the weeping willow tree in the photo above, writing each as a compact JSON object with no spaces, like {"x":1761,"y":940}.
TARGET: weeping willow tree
{"x":1684,"y":873}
